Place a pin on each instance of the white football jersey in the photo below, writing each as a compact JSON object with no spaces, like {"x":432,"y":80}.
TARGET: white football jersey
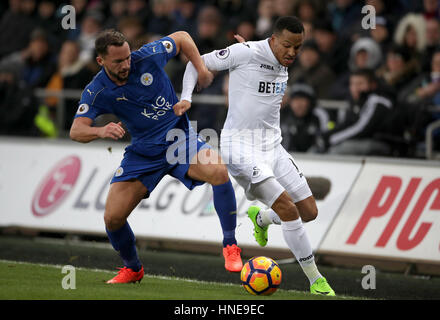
{"x":257,"y":83}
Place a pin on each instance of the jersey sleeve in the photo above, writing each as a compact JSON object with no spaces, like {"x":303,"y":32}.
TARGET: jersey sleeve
{"x":161,"y":51}
{"x":91,"y":103}
{"x":229,"y":58}
{"x":226,"y":59}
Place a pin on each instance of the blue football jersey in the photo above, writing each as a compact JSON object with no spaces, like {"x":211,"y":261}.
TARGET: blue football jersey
{"x":144,"y":104}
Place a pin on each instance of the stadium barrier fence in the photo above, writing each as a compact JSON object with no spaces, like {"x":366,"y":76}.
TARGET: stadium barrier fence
{"x":371,"y":209}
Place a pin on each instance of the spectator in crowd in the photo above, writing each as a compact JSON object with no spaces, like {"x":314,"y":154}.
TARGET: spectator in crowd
{"x":308,"y":30}
{"x":344,"y":14}
{"x":265,"y":18}
{"x":425,"y":89}
{"x":246,"y":28}
{"x":133,"y":30}
{"x":35,"y":64}
{"x":334,"y":50}
{"x":364,"y":54}
{"x":185,"y":17}
{"x":18,"y":105}
{"x":432,"y":42}
{"x":399,"y":68}
{"x":118,"y":10}
{"x":302,"y":121}
{"x":71,"y":73}
{"x":382,"y":34}
{"x":140,"y":10}
{"x":411,"y":34}
{"x":209,"y":38}
{"x":16,"y":25}
{"x":48,"y":20}
{"x":431,"y":9}
{"x":90,"y":28}
{"x":283,"y":8}
{"x":209,"y":30}
{"x":407,"y":32}
{"x":312,"y":70}
{"x":80,"y":9}
{"x":160,"y":22}
{"x":306,"y":10}
{"x":367,"y":119}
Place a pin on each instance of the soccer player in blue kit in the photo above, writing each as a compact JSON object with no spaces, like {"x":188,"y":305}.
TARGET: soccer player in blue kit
{"x":134,"y":87}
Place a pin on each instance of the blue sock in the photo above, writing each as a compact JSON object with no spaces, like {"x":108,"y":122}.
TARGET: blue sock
{"x":226,"y":207}
{"x":124,"y":242}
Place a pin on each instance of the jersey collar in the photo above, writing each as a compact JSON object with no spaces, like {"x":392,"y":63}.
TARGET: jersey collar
{"x":106,"y":80}
{"x":271,"y":55}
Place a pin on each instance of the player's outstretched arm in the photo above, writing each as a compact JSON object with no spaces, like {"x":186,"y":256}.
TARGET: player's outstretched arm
{"x":216,"y":60}
{"x":186,"y":44}
{"x":82,"y":130}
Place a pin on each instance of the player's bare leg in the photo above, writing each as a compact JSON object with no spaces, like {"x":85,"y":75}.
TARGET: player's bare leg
{"x":297,"y":240}
{"x":208,"y":166}
{"x":307,"y":208}
{"x":122,"y":198}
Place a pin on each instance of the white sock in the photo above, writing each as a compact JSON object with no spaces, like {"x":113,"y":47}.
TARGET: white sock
{"x":296,"y":238}
{"x":267,"y":217}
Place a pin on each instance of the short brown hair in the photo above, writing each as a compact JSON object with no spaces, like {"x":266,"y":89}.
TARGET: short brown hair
{"x":108,"y":38}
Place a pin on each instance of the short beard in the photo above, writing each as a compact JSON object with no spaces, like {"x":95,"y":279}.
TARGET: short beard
{"x":117,"y":77}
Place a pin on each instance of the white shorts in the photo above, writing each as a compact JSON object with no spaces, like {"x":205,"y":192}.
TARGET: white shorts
{"x":265,"y":175}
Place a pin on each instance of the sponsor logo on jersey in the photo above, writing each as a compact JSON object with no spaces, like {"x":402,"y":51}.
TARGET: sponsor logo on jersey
{"x":272,"y":87}
{"x":158,"y":109}
{"x":266,"y":66}
{"x":146,"y":79}
{"x":168,"y":46}
{"x":123,"y":98}
{"x":222,"y":54}
{"x":83,"y":108}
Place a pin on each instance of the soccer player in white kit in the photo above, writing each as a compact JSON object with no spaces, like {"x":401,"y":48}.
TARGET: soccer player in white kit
{"x":251,"y":138}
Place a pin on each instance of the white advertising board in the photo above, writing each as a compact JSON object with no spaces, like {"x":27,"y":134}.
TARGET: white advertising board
{"x":63,"y":187}
{"x":393,"y":211}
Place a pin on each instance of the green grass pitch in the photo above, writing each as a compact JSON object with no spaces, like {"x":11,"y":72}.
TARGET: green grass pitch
{"x":19,"y":280}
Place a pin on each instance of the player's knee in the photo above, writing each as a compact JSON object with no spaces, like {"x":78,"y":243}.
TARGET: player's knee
{"x":219,"y":175}
{"x":310,"y":215}
{"x":286,"y":210}
{"x":113,"y":222}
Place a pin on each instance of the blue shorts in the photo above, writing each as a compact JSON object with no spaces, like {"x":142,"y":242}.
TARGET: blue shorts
{"x":151,"y":170}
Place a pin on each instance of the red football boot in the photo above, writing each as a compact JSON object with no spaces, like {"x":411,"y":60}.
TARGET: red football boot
{"x":232,"y":256}
{"x":127,"y":275}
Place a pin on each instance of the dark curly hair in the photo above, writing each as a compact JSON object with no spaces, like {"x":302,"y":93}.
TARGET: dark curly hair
{"x":108,"y":38}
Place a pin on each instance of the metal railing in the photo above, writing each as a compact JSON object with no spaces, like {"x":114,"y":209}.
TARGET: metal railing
{"x":429,"y":140}
{"x":335,"y":105}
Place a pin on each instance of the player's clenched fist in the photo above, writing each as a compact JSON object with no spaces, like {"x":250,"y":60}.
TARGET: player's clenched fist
{"x":181,"y":107}
{"x":112,"y":130}
{"x":205,"y":78}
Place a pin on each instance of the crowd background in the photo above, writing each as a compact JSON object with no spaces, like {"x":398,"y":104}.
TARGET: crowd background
{"x":390,"y":75}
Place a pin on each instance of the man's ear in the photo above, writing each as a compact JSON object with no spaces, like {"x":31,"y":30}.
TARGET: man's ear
{"x":100,"y":60}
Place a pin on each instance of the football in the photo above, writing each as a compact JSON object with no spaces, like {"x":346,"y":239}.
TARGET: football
{"x":260,"y":276}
